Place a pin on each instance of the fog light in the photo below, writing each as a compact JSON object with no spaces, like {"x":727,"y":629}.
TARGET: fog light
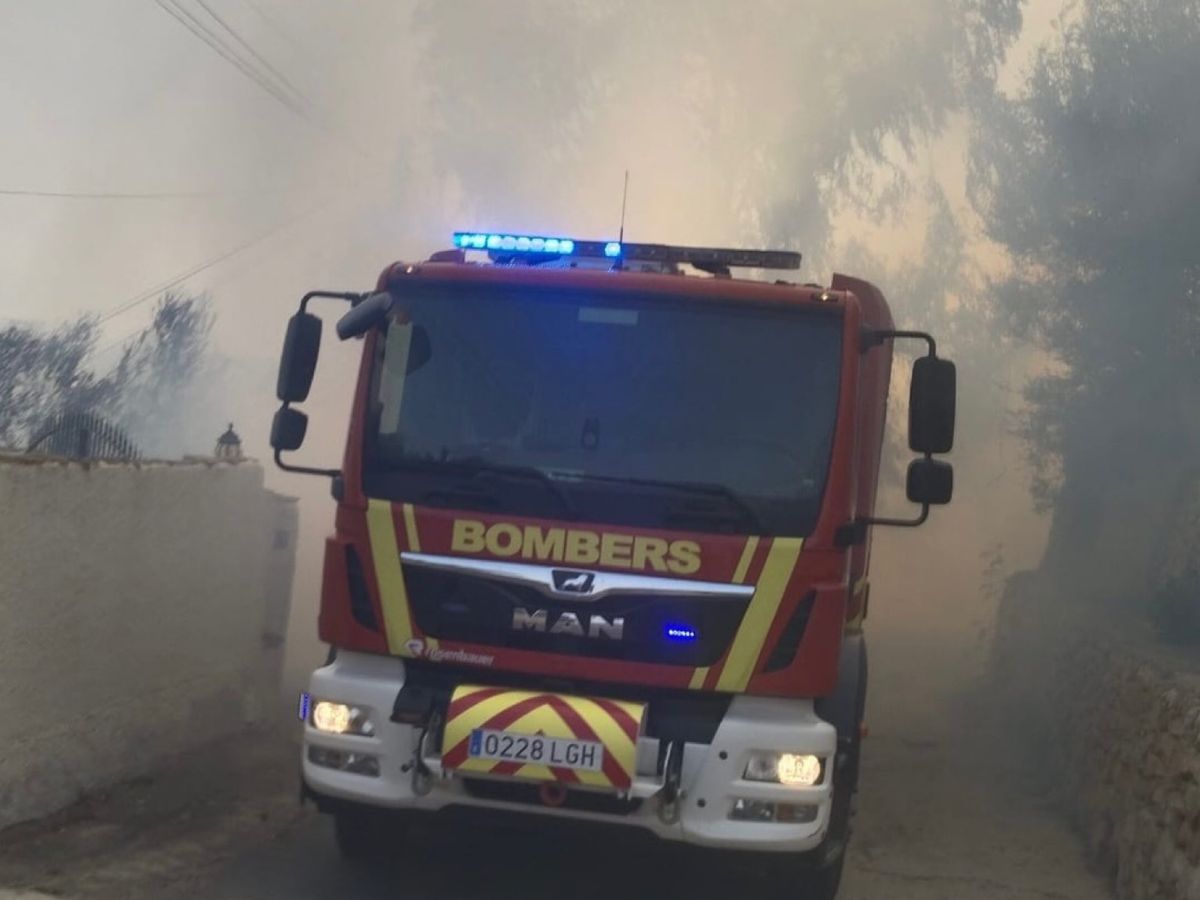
{"x":752,"y":810}
{"x":338,"y":718}
{"x":796,"y":769}
{"x":357,"y":763}
{"x":795,"y":813}
{"x":764,"y":811}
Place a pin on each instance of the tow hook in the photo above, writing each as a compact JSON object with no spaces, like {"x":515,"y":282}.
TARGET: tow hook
{"x":670,"y":795}
{"x":422,"y":778}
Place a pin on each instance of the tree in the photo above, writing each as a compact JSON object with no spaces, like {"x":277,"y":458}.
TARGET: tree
{"x":46,"y":374}
{"x":1090,"y":178}
{"x":43,"y":374}
{"x":160,"y":364}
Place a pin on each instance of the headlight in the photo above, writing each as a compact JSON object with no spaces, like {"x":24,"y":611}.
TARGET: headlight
{"x":797,"y":769}
{"x":338,"y":718}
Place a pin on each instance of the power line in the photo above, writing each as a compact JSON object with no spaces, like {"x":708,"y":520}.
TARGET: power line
{"x":283,"y":79}
{"x":152,"y":292}
{"x":189,"y":21}
{"x":276,"y":27}
{"x":128,"y":195}
{"x":193,"y":24}
{"x":197,"y":27}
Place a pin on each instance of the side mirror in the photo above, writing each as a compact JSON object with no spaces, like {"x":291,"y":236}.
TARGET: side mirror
{"x":298,"y":361}
{"x":288,"y":428}
{"x":931,"y":402}
{"x":365,"y":316}
{"x":929,"y":482}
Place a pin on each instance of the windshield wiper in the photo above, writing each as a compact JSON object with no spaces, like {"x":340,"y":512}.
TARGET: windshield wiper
{"x":474,"y":468}
{"x":731,"y":498}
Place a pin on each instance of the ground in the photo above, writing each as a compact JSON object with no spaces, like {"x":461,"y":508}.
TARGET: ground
{"x":948,"y":811}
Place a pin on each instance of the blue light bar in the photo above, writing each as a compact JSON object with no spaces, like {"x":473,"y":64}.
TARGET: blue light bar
{"x":676,"y":631}
{"x":534,"y":249}
{"x":514,"y":243}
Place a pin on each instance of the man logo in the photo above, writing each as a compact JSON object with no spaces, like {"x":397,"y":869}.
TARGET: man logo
{"x":545,"y":622}
{"x":573,"y":582}
{"x":416,"y":647}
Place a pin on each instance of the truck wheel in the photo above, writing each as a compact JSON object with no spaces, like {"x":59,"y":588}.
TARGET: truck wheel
{"x":802,"y":879}
{"x":819,"y":873}
{"x":822,"y":883}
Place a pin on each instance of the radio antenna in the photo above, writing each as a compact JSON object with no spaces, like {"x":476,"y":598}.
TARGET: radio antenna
{"x":624,"y":197}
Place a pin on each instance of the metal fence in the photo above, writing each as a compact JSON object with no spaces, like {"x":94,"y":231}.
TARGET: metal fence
{"x":83,"y":435}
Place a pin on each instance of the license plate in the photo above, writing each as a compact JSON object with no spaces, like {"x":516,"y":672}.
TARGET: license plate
{"x":536,"y":749}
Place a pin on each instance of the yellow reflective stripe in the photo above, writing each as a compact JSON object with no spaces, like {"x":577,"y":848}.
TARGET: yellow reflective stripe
{"x":743,"y":566}
{"x":410,"y":528}
{"x":414,"y":544}
{"x":607,"y":730}
{"x":748,"y":643}
{"x":385,"y":553}
{"x":739,"y":576}
{"x":461,"y":725}
{"x":854,"y":626}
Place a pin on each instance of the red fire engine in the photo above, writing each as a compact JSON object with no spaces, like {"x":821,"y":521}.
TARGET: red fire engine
{"x":601,"y":541}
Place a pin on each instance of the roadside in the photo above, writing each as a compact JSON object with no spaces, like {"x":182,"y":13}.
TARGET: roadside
{"x":164,"y":829}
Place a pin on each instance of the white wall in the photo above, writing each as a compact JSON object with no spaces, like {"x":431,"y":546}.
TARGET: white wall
{"x":134,"y":600}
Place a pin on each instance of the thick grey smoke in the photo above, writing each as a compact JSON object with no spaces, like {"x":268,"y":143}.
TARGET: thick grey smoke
{"x":1090,"y":177}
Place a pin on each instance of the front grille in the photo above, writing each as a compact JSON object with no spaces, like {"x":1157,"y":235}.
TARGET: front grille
{"x":479,"y":610}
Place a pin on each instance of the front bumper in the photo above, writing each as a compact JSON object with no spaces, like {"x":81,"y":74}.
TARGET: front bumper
{"x":709,"y":775}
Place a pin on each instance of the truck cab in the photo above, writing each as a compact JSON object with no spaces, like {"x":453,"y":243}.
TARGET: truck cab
{"x":601,"y":540}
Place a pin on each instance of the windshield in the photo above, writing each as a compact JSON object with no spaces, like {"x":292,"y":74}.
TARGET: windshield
{"x":636,"y":411}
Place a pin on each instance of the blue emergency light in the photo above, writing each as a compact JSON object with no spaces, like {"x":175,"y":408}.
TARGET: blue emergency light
{"x":677,"y":631}
{"x":514,"y":243}
{"x":533,"y":249}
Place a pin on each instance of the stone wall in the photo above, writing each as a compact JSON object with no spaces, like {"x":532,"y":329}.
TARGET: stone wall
{"x":1113,"y":718}
{"x":141,"y":614}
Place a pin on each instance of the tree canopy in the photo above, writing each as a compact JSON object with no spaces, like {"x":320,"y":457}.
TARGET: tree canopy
{"x":1090,"y":178}
{"x":44,"y":374}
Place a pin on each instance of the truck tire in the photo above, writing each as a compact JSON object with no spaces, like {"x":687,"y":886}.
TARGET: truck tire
{"x":802,"y":879}
{"x":822,"y":883}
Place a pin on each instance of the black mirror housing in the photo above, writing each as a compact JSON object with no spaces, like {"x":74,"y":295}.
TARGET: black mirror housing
{"x":929,"y":482}
{"x":365,"y":315}
{"x":931,"y":402}
{"x":288,"y":428}
{"x":298,"y":362}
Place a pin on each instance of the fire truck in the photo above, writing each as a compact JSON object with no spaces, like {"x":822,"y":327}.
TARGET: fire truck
{"x":601,"y":541}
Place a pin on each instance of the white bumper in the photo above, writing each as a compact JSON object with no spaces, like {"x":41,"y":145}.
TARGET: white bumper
{"x":710,"y":778}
